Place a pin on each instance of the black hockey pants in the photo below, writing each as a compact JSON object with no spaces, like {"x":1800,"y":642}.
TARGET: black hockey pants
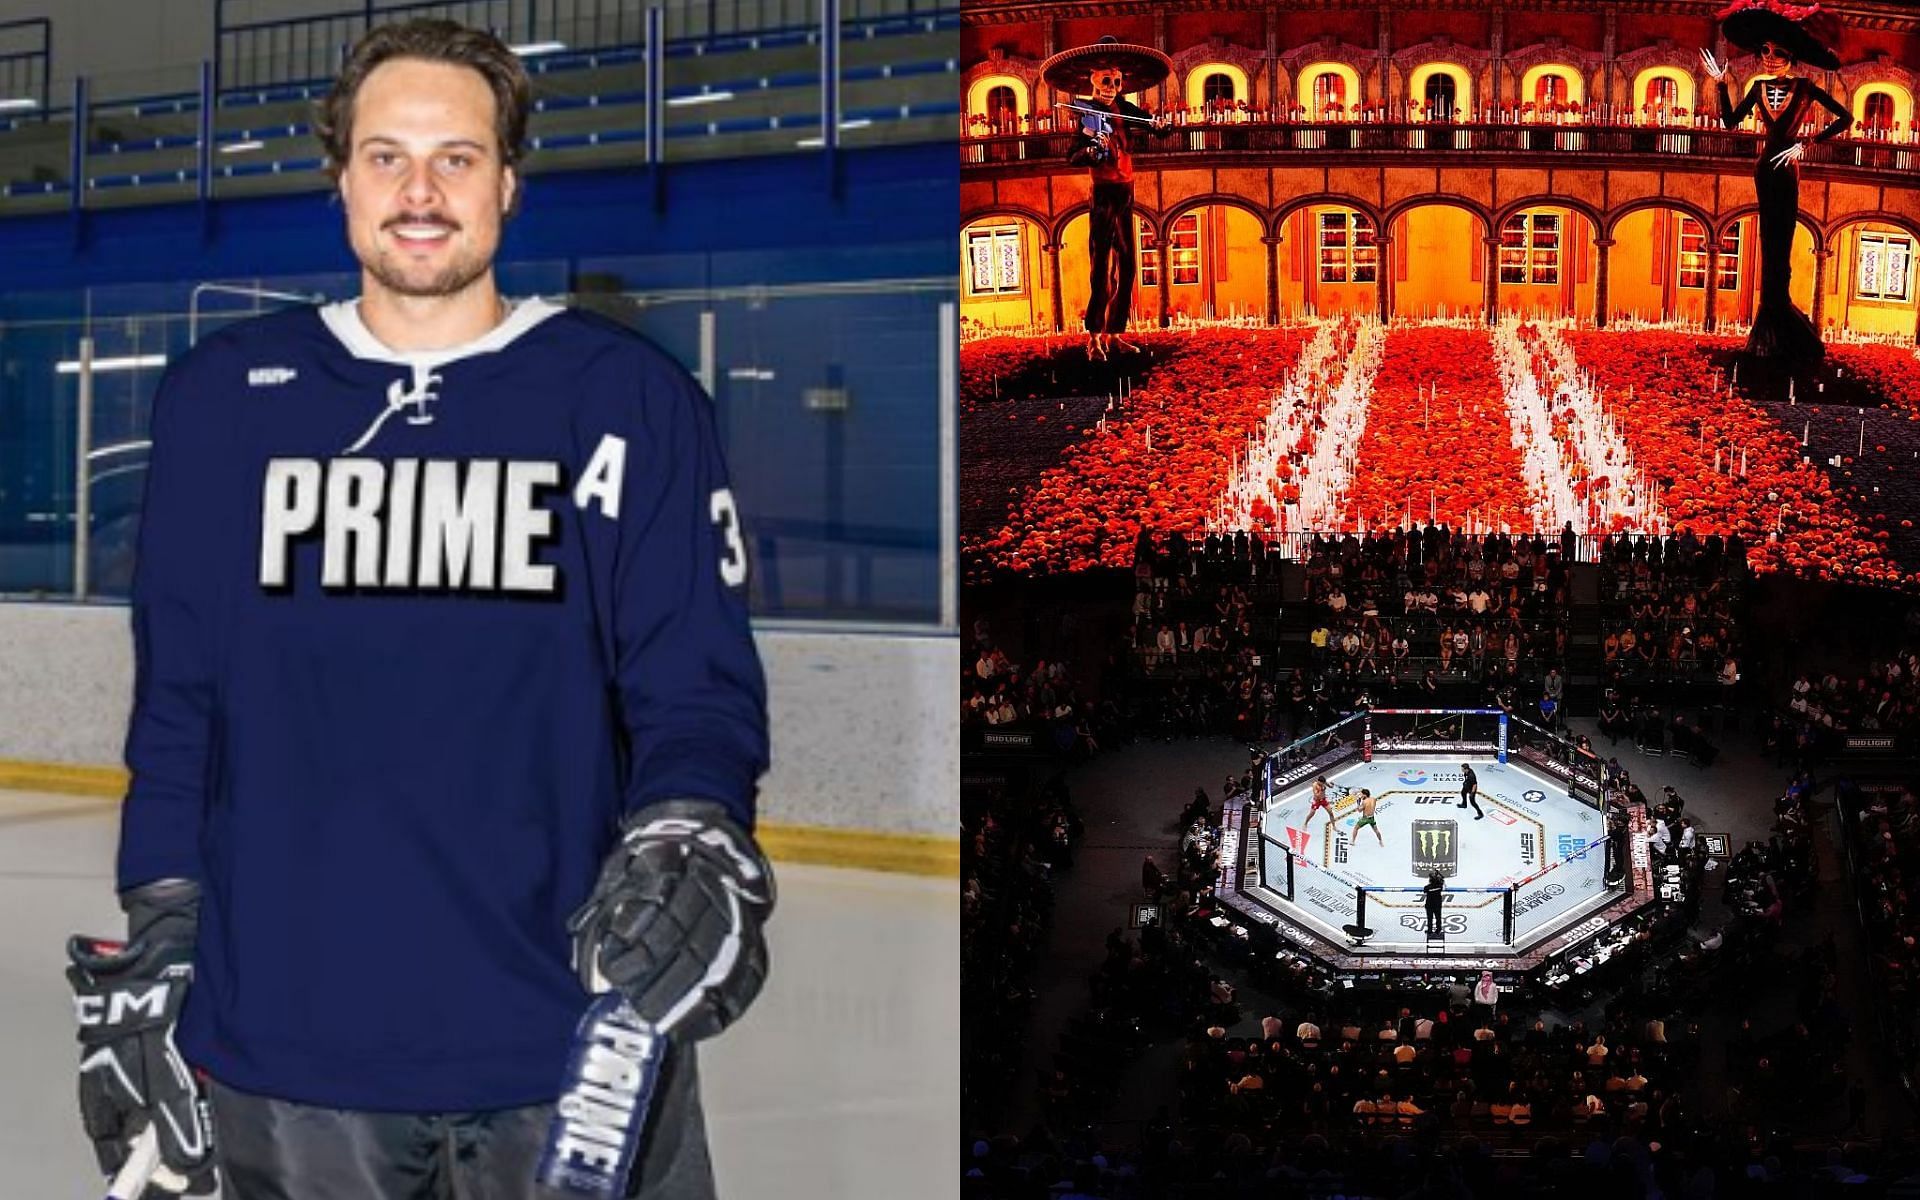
{"x":277,"y":1150}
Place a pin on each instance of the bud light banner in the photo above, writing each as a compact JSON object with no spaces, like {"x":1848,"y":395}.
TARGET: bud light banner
{"x":1436,"y":847}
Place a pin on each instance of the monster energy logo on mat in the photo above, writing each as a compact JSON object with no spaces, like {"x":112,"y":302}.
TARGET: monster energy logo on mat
{"x":1435,"y":847}
{"x":1434,"y":841}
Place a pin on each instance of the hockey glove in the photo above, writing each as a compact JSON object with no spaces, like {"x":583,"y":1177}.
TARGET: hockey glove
{"x":127,"y":997}
{"x":674,"y":922}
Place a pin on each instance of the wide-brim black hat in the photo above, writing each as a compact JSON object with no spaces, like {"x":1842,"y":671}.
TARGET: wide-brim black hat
{"x":1806,"y":31}
{"x":1071,"y":70}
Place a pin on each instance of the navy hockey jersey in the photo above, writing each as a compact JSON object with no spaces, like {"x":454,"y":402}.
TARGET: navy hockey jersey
{"x":412,"y":633}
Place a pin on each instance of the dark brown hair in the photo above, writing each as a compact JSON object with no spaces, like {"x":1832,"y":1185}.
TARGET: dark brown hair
{"x":429,"y":39}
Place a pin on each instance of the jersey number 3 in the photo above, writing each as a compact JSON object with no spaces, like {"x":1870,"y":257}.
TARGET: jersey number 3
{"x":733,"y":565}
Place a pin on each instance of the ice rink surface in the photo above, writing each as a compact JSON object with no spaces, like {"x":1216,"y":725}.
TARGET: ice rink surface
{"x":841,"y":1084}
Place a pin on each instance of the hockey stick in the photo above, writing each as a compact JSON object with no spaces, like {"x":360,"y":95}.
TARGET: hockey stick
{"x":142,"y":1160}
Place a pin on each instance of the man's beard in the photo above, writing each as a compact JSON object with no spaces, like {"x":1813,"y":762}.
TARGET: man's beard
{"x":461,"y":272}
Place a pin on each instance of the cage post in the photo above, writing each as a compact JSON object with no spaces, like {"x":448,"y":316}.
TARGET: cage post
{"x":1366,"y":736}
{"x":1360,"y":905}
{"x":1290,"y":857}
{"x":1500,"y":755}
{"x":1506,"y":916}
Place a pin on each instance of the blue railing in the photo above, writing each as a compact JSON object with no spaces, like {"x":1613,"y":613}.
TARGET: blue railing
{"x":250,"y":54}
{"x":26,"y":66}
{"x":254,"y":54}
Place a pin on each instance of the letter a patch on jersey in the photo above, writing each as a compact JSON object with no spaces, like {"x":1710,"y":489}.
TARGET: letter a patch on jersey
{"x":601,"y":480}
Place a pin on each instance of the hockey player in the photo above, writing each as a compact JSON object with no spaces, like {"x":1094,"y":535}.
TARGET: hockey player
{"x":447,"y":713}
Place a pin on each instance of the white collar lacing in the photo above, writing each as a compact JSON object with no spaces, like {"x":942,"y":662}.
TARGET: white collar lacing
{"x":342,"y":318}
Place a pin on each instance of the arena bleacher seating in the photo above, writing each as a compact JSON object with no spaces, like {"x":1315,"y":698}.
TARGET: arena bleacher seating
{"x":748,"y":79}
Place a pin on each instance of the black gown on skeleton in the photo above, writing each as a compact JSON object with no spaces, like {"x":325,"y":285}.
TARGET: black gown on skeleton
{"x":1779,"y":329}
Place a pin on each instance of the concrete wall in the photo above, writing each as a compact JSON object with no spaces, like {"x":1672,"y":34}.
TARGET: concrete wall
{"x":865,"y":725}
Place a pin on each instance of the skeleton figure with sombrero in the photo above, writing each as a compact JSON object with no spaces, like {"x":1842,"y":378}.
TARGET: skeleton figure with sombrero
{"x":1095,"y":76}
{"x":1783,"y":35}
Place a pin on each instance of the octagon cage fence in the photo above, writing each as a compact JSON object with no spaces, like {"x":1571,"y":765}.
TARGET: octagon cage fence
{"x":1487,"y":920}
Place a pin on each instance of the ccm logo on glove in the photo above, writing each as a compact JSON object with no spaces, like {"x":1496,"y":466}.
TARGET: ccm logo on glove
{"x":112,"y":1010}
